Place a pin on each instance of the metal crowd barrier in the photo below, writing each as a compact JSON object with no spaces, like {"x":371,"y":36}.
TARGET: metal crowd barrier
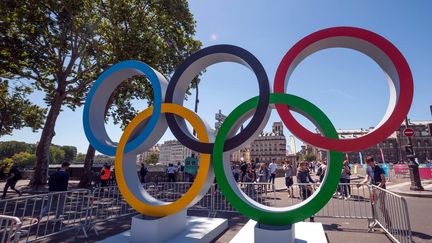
{"x":10,"y":229}
{"x":390,"y":212}
{"x":53,"y":213}
{"x":48,"y":214}
{"x":263,"y":193}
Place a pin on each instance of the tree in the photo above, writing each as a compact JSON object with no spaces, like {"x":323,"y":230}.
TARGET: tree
{"x":70,"y":152}
{"x":160,"y":33}
{"x":79,"y":158}
{"x":62,"y":46}
{"x":9,"y":148}
{"x":309,"y":157}
{"x":16,"y":111}
{"x":7,"y":164}
{"x":24,"y":159}
{"x":56,"y":155}
{"x":152,"y":159}
{"x":54,"y":44}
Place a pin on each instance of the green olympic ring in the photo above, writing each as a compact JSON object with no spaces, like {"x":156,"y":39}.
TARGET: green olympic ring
{"x":271,"y":215}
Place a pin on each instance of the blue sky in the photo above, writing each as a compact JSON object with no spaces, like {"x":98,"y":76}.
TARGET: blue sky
{"x":348,"y":86}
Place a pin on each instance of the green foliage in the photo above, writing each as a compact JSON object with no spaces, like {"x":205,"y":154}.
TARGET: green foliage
{"x":9,"y":148}
{"x":103,"y":159}
{"x":62,"y":46}
{"x":24,"y":159}
{"x":79,"y":158}
{"x":16,"y":110}
{"x":152,"y":159}
{"x":70,"y":153}
{"x":6,"y":164}
{"x":57,"y":155}
{"x":309,"y":157}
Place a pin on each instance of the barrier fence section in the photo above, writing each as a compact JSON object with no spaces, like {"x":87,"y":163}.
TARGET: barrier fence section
{"x":10,"y":229}
{"x":390,"y":212}
{"x":48,"y":214}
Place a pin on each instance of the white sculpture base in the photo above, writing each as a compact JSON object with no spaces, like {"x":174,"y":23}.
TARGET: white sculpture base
{"x":145,"y":228}
{"x":194,"y":229}
{"x":265,"y":232}
{"x":300,"y":233}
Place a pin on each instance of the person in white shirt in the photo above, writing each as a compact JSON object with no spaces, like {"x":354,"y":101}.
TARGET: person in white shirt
{"x":272,"y":168}
{"x":171,"y":172}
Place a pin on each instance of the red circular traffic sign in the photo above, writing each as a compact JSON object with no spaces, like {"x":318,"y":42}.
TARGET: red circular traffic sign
{"x":409,"y":132}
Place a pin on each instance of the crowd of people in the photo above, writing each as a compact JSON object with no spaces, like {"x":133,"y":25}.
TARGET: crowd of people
{"x":306,"y":173}
{"x":245,"y":172}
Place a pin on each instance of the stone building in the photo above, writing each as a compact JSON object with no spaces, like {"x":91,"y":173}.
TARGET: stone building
{"x":269,"y":146}
{"x":241,"y":155}
{"x":393,"y":148}
{"x":143,"y":156}
{"x":172,"y":151}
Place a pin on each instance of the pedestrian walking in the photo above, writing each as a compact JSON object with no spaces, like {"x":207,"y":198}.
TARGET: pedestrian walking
{"x":263,"y":173}
{"x":191,"y":167}
{"x":345,"y":189}
{"x":243,"y":169}
{"x":289,"y":172}
{"x":305,"y":180}
{"x":250,"y":179}
{"x":57,"y":182}
{"x":105,"y":175}
{"x":13,"y":177}
{"x":171,"y":172}
{"x":322,"y":171}
{"x":375,"y":175}
{"x":236,"y":172}
{"x":180,"y":171}
{"x":273,"y":168}
{"x":143,"y":172}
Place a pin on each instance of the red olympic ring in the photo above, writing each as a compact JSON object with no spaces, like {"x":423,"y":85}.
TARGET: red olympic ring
{"x":375,"y":46}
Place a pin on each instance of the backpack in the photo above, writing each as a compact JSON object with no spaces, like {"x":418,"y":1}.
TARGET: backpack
{"x":377,"y":174}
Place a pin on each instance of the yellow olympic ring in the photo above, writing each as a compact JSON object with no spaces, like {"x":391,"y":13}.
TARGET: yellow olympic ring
{"x":188,"y":198}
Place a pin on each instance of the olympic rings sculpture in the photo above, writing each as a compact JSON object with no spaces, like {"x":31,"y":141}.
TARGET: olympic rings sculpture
{"x":149,"y":126}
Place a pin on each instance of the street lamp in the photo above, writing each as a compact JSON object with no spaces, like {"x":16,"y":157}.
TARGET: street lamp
{"x":412,"y":164}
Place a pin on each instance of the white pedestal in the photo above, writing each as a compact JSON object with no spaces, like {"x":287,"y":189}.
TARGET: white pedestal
{"x":277,"y":233}
{"x":301,"y":232}
{"x":195,"y":229}
{"x":145,"y":228}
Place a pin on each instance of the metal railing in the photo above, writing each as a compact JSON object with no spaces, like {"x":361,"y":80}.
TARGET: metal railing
{"x":390,"y":212}
{"x":263,"y":193}
{"x":48,"y":214}
{"x":10,"y":229}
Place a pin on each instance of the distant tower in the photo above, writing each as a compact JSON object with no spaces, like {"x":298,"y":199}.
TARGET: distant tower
{"x":293,"y":147}
{"x":277,"y":128}
{"x":220,"y":118}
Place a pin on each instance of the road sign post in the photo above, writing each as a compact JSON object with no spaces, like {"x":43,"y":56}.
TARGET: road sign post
{"x":413,"y":166}
{"x":409,"y":132}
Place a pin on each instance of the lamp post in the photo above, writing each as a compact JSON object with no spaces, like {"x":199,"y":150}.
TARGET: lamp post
{"x":412,"y":164}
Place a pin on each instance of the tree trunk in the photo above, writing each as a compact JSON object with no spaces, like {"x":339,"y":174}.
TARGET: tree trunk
{"x":42,"y":151}
{"x":86,"y":177}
